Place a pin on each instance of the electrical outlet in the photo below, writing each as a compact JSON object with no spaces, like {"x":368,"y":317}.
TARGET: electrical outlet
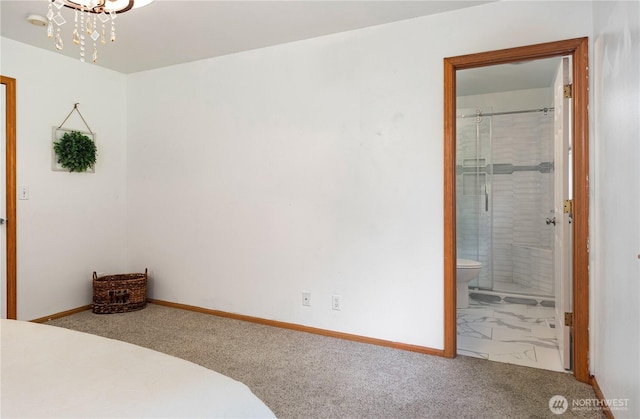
{"x":306,"y":298}
{"x":336,"y":302}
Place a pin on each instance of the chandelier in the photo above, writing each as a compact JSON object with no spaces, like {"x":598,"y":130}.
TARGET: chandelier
{"x":89,"y":22}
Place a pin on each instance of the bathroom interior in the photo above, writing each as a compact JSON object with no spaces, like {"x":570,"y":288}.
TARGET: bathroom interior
{"x":505,"y":213}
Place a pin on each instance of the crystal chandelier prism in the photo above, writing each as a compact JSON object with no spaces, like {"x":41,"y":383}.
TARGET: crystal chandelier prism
{"x":90,"y":21}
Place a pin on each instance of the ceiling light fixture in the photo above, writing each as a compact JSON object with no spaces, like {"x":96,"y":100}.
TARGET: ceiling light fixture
{"x":87,"y":15}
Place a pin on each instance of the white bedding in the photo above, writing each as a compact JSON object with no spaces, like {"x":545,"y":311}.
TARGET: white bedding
{"x":54,"y":372}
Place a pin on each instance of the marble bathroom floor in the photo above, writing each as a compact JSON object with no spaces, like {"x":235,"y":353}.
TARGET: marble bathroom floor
{"x":513,"y":333}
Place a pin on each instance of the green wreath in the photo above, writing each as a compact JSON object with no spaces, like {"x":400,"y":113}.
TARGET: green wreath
{"x":76,"y":152}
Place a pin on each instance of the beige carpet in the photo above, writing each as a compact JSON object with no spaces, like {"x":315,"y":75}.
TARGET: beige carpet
{"x":300,"y":375}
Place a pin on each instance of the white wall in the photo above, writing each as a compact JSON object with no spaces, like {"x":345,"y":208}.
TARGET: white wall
{"x":311,"y":166}
{"x":616,"y":203}
{"x":73,"y":223}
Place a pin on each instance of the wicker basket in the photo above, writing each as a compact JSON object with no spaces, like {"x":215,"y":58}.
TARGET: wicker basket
{"x":119,"y":293}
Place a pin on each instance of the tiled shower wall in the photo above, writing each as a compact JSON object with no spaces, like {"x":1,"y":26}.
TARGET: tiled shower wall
{"x":515,"y":152}
{"x":533,"y":268}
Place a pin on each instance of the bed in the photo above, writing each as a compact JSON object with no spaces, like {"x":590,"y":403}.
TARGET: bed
{"x":49,"y":372}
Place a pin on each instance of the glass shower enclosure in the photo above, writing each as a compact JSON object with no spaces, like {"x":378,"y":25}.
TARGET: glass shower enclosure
{"x":473,"y":188}
{"x":504,"y":194}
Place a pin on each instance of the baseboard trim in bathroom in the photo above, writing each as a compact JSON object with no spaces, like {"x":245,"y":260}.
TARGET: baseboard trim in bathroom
{"x":496,"y":296}
{"x":485,"y":298}
{"x":521,"y":300}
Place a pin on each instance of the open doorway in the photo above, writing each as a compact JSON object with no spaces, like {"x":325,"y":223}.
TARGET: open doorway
{"x":576,"y":50}
{"x":512,"y":177}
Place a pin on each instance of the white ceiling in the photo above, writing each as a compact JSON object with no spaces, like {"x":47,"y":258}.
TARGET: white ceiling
{"x":169,"y":32}
{"x":507,"y":77}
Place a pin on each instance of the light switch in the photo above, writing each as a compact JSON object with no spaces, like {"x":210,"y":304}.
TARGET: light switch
{"x":23,"y":192}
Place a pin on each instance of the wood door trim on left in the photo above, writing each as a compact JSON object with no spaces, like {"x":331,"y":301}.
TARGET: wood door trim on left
{"x":10,"y":85}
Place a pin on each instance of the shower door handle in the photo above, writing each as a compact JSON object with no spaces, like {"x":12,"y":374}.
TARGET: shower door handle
{"x":486,"y":198}
{"x":551,"y":221}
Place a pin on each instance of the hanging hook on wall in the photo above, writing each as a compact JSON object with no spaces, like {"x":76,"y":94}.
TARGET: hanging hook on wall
{"x":75,"y":109}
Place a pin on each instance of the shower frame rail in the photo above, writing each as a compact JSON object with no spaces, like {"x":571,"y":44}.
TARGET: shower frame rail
{"x":481,"y":114}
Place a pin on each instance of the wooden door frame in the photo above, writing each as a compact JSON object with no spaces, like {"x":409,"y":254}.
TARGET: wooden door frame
{"x":11,"y":225}
{"x":578,"y":49}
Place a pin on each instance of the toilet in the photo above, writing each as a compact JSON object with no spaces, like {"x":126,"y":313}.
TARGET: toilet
{"x":466,"y":271}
